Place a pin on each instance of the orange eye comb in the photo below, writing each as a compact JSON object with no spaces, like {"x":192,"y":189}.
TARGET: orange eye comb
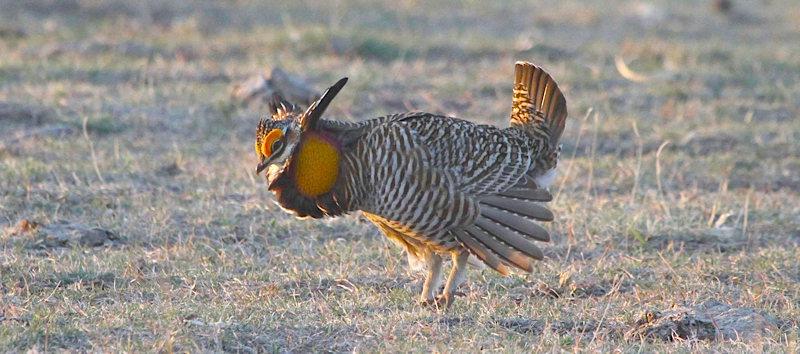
{"x":266,"y":145}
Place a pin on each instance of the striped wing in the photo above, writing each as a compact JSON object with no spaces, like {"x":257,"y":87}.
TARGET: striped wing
{"x":461,"y":184}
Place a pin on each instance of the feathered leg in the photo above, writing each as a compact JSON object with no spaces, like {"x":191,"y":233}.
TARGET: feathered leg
{"x":433,"y":278}
{"x":457,"y":275}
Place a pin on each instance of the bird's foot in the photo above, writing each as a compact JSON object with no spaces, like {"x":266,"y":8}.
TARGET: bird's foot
{"x":442,"y":302}
{"x":459,"y":293}
{"x":432,"y":304}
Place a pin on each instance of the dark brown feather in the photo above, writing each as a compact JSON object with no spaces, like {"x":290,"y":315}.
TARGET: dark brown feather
{"x":481,"y":251}
{"x":508,"y":254}
{"x":519,"y":206}
{"x":538,"y":98}
{"x":290,"y":198}
{"x":310,"y":120}
{"x":516,"y":223}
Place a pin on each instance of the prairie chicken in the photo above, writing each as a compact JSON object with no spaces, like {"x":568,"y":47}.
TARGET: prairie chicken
{"x":434,"y":185}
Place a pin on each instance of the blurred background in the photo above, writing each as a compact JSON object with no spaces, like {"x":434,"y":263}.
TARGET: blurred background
{"x":133,"y":220}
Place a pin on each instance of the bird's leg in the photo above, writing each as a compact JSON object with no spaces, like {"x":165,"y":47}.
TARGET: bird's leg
{"x":433,"y":278}
{"x":456,"y":276}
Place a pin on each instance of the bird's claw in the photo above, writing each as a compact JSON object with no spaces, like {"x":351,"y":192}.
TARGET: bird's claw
{"x":439,"y":303}
{"x":442,"y":302}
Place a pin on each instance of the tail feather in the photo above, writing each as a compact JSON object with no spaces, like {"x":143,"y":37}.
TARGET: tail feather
{"x":506,"y":253}
{"x":518,"y":206}
{"x":538,"y":195}
{"x":537,"y":99}
{"x":481,"y":251}
{"x":510,"y":238}
{"x":503,"y":234}
{"x":516,"y":223}
{"x":527,"y":188}
{"x":476,"y":262}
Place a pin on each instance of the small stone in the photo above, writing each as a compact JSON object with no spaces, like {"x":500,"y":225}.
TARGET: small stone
{"x":710,"y":320}
{"x":94,"y":237}
{"x":170,"y":170}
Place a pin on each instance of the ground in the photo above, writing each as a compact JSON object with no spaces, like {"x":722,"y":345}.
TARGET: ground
{"x":131,"y":219}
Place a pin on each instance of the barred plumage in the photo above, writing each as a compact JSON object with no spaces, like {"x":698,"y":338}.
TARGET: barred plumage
{"x":435,"y":185}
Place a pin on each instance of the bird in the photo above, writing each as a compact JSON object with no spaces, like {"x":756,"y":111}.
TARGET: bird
{"x":437,"y":186}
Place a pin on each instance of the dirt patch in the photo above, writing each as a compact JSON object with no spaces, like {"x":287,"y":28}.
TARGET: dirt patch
{"x":706,"y":240}
{"x":521,"y":325}
{"x":579,"y":290}
{"x":13,"y":144}
{"x":61,"y":234}
{"x":536,"y":327}
{"x":306,"y":290}
{"x":710,"y":320}
{"x":26,"y":114}
{"x":584,"y":328}
{"x":22,"y":121}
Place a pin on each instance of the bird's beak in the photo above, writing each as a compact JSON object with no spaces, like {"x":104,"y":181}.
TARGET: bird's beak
{"x":261,"y":167}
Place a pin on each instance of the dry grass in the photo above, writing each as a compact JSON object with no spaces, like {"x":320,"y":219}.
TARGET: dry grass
{"x":673,"y":191}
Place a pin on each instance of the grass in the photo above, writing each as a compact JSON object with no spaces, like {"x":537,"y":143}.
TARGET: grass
{"x":672,"y":191}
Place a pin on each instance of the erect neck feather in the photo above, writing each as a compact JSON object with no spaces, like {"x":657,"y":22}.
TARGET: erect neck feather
{"x":316,"y":163}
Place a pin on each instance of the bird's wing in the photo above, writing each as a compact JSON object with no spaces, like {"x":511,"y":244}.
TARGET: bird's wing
{"x":417,"y":195}
{"x":405,"y":187}
{"x":349,"y":133}
{"x":485,"y":159}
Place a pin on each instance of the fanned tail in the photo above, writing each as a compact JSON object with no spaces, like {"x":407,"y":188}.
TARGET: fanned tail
{"x":537,"y":100}
{"x":504,"y":232}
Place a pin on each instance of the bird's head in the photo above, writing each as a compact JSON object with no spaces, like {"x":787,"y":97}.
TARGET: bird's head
{"x":277,"y":136}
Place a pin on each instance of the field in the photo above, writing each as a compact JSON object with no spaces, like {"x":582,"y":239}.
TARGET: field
{"x":131,"y":219}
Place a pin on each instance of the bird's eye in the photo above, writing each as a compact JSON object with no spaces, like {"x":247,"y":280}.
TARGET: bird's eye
{"x":267,"y":146}
{"x":277,"y":145}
